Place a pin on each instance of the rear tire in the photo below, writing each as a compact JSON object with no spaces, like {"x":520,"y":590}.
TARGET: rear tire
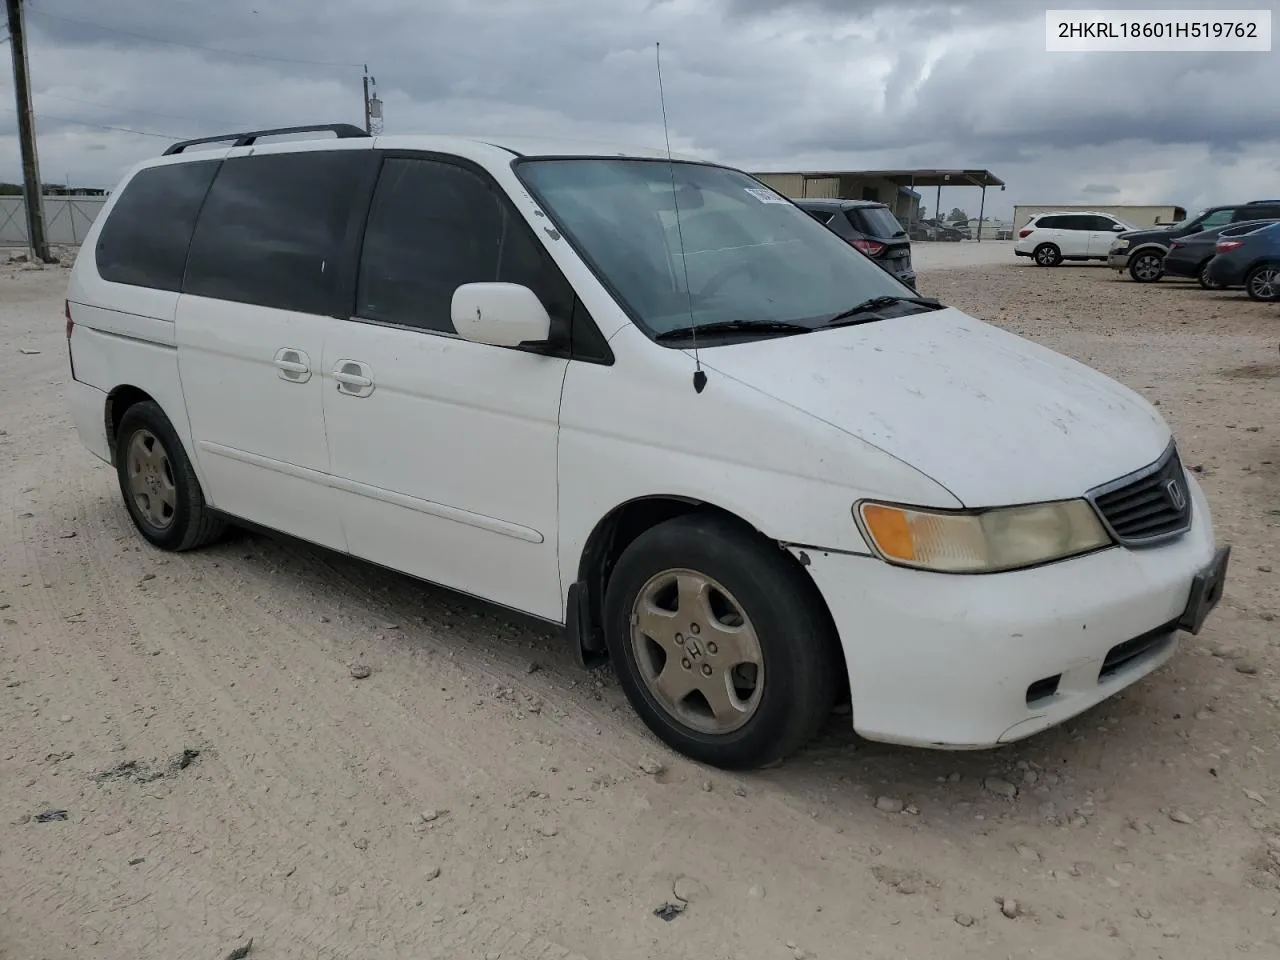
{"x":1146,"y":267}
{"x":1203,"y":278}
{"x":1262,"y":283}
{"x":720,"y":642}
{"x":1047,"y":255}
{"x":158,"y":484}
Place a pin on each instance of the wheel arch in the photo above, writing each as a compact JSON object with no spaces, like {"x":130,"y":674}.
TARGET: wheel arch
{"x":614,"y":532}
{"x":1149,"y":247}
{"x":120,"y":399}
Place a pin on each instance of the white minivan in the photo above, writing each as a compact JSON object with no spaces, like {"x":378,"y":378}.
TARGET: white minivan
{"x":650,"y":400}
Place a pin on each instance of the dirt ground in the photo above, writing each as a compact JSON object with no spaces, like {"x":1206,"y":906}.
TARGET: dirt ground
{"x":477,"y":796}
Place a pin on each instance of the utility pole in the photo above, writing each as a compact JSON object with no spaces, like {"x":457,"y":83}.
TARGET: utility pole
{"x":32,"y":187}
{"x":367,"y":127}
{"x":372,"y":105}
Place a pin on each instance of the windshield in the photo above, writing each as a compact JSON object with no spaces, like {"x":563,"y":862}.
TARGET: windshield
{"x":750,"y":255}
{"x":1178,"y":224}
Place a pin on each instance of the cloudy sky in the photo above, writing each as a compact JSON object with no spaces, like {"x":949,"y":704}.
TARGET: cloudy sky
{"x":762,"y":84}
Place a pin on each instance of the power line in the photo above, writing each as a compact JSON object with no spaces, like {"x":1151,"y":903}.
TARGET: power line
{"x":107,"y":126}
{"x":189,"y":46}
{"x":153,"y":113}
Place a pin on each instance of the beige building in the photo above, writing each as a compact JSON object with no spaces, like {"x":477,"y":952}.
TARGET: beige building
{"x":899,"y":190}
{"x":1140,"y":215}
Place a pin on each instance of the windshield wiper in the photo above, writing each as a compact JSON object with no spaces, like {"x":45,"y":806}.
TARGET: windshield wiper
{"x":733,"y":326}
{"x":846,"y":317}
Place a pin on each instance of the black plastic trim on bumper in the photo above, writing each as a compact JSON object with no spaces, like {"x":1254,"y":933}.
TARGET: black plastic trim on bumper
{"x":1206,"y":591}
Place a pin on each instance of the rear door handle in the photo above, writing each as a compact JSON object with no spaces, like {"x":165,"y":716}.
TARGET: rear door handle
{"x":293,"y":365}
{"x":354,"y":378}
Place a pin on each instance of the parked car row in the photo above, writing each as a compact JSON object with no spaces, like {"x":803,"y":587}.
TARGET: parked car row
{"x":1234,"y":245}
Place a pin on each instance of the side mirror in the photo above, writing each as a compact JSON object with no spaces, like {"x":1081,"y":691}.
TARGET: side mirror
{"x":499,"y":314}
{"x":1118,"y":228}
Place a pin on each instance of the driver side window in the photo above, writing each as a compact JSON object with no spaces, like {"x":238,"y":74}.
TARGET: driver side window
{"x":434,"y":226}
{"x":1218,"y":218}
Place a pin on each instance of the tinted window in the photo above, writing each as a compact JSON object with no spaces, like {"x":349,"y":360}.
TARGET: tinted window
{"x":822,"y":216}
{"x":1258,"y":211}
{"x":272,"y":227}
{"x":1049,"y":223}
{"x":876,"y":222}
{"x":434,"y":226}
{"x":1100,"y":223}
{"x":1240,"y":229}
{"x":145,"y":238}
{"x":1076,"y":221}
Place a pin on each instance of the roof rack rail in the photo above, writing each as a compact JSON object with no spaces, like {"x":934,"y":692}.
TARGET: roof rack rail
{"x":341,"y":131}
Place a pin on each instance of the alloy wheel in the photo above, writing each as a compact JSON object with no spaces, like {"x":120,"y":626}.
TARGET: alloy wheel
{"x":698,"y":654}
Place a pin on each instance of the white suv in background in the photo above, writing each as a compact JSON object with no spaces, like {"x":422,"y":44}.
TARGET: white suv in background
{"x":1050,"y":238}
{"x":728,"y":453}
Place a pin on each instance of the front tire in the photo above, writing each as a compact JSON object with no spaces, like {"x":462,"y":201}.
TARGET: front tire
{"x":1146,"y":267}
{"x":1047,"y":255}
{"x":158,"y":484}
{"x":1263,"y":283}
{"x":720,"y":642}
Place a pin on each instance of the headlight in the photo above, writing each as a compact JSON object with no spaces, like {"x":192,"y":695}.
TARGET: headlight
{"x":982,"y":542}
{"x":1119,"y":244}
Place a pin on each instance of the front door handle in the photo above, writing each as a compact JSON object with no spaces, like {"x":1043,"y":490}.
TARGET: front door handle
{"x":354,"y":378}
{"x":293,"y":365}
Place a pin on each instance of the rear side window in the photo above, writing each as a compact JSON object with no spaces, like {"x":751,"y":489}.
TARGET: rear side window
{"x":1259,"y":212}
{"x":434,"y":226}
{"x":876,"y":222}
{"x":822,"y":216}
{"x":1076,"y":221}
{"x":272,"y":227}
{"x":145,"y":238}
{"x":1048,"y":223}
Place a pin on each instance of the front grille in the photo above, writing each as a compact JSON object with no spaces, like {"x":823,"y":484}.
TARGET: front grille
{"x":1149,"y":505}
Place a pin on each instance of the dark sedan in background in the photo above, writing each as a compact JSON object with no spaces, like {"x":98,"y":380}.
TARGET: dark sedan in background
{"x":1251,"y":260}
{"x":1189,"y":256}
{"x":871,"y":228}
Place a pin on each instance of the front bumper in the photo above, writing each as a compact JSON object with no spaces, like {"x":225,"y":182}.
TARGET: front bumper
{"x":1118,"y":259}
{"x":966,"y":662}
{"x":1224,"y":272}
{"x":1181,"y":268}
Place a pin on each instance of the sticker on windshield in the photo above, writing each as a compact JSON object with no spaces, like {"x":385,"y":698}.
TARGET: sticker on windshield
{"x":765,"y":195}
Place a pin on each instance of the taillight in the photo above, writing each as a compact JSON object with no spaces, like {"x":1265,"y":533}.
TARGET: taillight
{"x":67,"y":312}
{"x":1025,"y":232}
{"x":870,"y":247}
{"x":1226,"y":246}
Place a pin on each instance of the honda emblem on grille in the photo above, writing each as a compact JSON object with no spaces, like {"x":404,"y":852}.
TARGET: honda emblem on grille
{"x":1176,"y":494}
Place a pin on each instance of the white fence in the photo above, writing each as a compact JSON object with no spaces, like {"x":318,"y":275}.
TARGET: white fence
{"x":66,"y":220}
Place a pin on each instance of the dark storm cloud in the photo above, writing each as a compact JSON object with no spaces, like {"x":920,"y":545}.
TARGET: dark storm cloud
{"x":766,"y":83}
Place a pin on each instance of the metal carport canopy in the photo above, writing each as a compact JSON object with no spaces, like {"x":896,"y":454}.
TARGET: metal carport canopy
{"x":937,"y":178}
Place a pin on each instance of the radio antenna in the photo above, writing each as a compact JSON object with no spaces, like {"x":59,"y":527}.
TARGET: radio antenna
{"x":699,"y":375}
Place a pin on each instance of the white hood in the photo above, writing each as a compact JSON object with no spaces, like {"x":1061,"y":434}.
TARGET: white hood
{"x":994,"y":418}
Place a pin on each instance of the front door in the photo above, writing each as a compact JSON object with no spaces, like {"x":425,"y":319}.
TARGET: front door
{"x":1102,"y":235}
{"x":443,"y":451}
{"x":250,"y":333}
